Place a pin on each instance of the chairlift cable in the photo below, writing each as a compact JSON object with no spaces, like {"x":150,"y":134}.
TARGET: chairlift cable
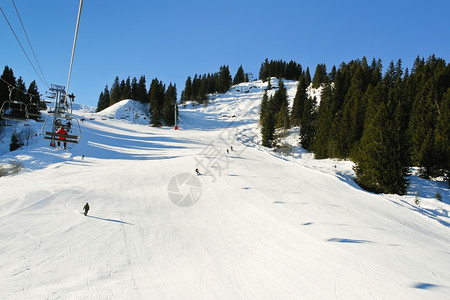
{"x":9,"y":24}
{"x":73,"y":48}
{"x":16,"y":88}
{"x":31,"y":47}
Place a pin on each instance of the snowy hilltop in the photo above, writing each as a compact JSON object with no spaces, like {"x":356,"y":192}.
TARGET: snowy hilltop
{"x":255,"y":224}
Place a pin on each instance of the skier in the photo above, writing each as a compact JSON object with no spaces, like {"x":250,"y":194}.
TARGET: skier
{"x":86,"y":209}
{"x":228,"y":151}
{"x":62,"y":131}
{"x":197,"y":171}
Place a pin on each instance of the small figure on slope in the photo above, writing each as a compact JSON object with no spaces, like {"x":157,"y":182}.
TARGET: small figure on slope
{"x":86,"y":209}
{"x":197,"y":171}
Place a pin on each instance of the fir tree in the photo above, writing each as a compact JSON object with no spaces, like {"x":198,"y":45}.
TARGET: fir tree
{"x":268,"y":127}
{"x":8,"y":76}
{"x":224,"y":80}
{"x":379,"y":166}
{"x":170,"y":105}
{"x":115,"y":92}
{"x":307,"y":76}
{"x":156,"y":96}
{"x":299,"y":101}
{"x":264,"y":107}
{"x":442,"y":137}
{"x":320,"y":76}
{"x":240,"y":76}
{"x":283,"y":119}
{"x":279,"y":98}
{"x":141,"y":90}
{"x":15,"y":143}
{"x":18,"y":93}
{"x":126,"y":91}
{"x":308,"y":124}
{"x":103,"y":100}
{"x":324,"y":143}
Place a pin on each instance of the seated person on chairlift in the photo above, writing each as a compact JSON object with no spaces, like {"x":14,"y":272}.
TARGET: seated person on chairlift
{"x":62,"y":131}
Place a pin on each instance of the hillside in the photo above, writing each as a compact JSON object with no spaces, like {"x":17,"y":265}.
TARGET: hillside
{"x":256,"y":224}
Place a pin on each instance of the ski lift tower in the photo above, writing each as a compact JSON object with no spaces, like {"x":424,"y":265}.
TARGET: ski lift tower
{"x":61,"y":117}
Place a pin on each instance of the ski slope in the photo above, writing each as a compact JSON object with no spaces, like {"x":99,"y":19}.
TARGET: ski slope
{"x":255,"y":225}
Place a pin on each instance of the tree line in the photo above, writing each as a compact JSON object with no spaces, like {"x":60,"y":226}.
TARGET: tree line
{"x":198,"y":88}
{"x":18,"y":89}
{"x":162,"y":100}
{"x":385,"y":123}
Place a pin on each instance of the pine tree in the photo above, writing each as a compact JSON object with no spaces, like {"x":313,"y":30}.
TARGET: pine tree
{"x":307,"y":76}
{"x":324,"y":144}
{"x":8,"y":76}
{"x":308,"y":124}
{"x":442,"y":137}
{"x":170,"y":105}
{"x":268,"y":127}
{"x":103,"y":100}
{"x":224,"y":80}
{"x":240,"y":76}
{"x":156,"y":96}
{"x":320,"y":76}
{"x":421,"y":129}
{"x":379,"y":166}
{"x":283,"y":119}
{"x":125,"y":89}
{"x":18,"y":93}
{"x":15,"y":143}
{"x":279,"y":98}
{"x":187,"y":93}
{"x":264,"y":107}
{"x":33,"y":90}
{"x":115,"y":92}
{"x":299,"y":101}
{"x":134,"y":89}
{"x":264,"y":70}
{"x":141,"y":90}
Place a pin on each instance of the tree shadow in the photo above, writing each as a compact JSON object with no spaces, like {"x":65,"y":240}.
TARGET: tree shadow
{"x":110,"y":220}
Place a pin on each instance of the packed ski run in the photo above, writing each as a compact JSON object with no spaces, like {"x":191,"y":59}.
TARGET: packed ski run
{"x":255,"y":224}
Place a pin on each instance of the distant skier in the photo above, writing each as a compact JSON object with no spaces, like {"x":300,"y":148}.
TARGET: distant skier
{"x":231,"y":148}
{"x":86,"y":209}
{"x":228,"y":151}
{"x":197,"y":171}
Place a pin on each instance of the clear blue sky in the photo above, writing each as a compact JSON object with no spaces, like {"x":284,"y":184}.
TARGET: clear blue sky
{"x":173,"y":39}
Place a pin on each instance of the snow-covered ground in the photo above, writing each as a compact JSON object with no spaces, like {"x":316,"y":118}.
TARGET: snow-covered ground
{"x":257,"y":224}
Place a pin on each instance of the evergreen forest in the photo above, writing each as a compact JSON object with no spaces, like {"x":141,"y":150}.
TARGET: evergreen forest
{"x":385,"y":122}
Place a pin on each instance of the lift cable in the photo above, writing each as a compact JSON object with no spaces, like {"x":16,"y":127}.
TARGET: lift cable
{"x":31,"y":63}
{"x":29,"y":43}
{"x":73,"y":48}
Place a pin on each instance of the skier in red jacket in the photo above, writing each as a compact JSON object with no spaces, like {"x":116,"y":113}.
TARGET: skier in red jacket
{"x":62,"y":131}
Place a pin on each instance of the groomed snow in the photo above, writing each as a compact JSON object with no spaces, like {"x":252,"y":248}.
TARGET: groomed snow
{"x":257,"y":224}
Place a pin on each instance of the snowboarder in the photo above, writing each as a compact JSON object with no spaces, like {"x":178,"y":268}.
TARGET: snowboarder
{"x":197,"y":171}
{"x":63,"y":138}
{"x":86,"y":209}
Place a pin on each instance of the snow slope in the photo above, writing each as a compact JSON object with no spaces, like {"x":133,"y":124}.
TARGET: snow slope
{"x":256,"y":225}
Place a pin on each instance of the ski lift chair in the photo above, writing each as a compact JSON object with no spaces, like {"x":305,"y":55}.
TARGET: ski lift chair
{"x":69,"y":123}
{"x":14,"y":110}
